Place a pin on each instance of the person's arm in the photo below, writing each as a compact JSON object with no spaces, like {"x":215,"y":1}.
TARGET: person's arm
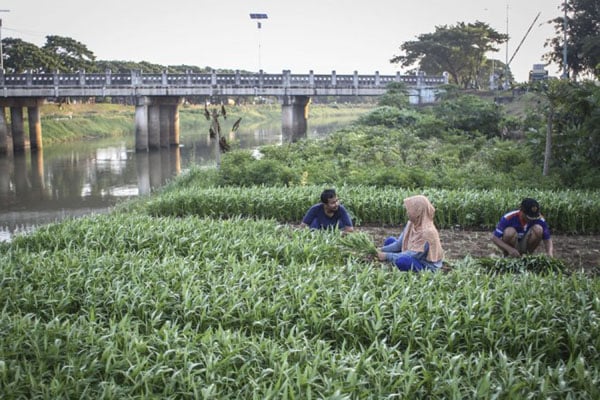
{"x":346,"y":220}
{"x":549,"y":247}
{"x":308,"y":218}
{"x":505,"y":246}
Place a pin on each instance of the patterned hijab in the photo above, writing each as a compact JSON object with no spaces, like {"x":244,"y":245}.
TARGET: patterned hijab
{"x":421,"y":228}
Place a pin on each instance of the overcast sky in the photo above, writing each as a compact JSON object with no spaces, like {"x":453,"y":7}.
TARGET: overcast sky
{"x":300,"y":35}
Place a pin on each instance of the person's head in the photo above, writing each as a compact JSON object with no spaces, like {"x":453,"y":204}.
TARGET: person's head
{"x":419,"y":209}
{"x":330,"y":200}
{"x":531,"y":208}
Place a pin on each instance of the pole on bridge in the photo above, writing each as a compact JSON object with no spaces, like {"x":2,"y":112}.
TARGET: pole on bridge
{"x":258,"y":17}
{"x":1,"y":51}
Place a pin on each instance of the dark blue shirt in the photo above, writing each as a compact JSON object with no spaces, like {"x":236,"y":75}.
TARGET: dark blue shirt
{"x":316,"y":218}
{"x":521,"y":224}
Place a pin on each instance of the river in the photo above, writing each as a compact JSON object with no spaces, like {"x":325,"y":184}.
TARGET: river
{"x":86,"y":177}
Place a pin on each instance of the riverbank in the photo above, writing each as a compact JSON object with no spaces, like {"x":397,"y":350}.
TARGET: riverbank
{"x":63,"y":122}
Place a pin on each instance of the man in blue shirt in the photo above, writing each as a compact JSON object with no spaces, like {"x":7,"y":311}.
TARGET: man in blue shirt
{"x":329,"y":214}
{"x":521,"y":231}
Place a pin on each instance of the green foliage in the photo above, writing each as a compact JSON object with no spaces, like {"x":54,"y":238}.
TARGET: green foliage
{"x":573,"y":110}
{"x":240,"y":168}
{"x":395,"y":96}
{"x":583,"y":43}
{"x":458,"y":50}
{"x":359,"y":244}
{"x":470,"y":115}
{"x":566,"y":211}
{"x":390,"y":117}
{"x":70,"y":54}
{"x":21,"y":56}
{"x":131,"y":306}
{"x":539,"y":263}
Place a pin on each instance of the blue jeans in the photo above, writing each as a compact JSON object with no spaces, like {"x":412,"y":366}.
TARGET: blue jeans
{"x":405,"y":260}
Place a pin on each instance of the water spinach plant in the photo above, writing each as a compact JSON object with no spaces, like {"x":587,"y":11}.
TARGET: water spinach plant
{"x":133,"y":305}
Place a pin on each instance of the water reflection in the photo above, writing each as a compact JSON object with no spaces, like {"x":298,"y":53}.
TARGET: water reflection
{"x":35,"y":190}
{"x":75,"y":179}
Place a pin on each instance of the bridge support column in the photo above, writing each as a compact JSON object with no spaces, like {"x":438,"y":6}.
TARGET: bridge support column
{"x":165,"y":125}
{"x":141,"y":127}
{"x":174,"y":125}
{"x":294,"y":113}
{"x":153,"y":127}
{"x":156,"y":122}
{"x":35,"y":127}
{"x":17,"y":129}
{"x":3,"y":132}
{"x":169,"y":120}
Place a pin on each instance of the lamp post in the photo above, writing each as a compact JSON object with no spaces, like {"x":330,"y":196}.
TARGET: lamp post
{"x":1,"y":50}
{"x":258,"y":17}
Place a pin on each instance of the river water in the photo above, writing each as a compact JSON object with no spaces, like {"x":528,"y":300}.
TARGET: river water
{"x":87,"y":177}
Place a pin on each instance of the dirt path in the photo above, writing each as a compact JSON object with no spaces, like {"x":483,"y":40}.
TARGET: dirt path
{"x":581,"y":252}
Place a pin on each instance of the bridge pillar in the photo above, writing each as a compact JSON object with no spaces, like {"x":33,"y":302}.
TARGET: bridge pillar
{"x":153,"y":127}
{"x":156,"y":122}
{"x":294,"y":112}
{"x":17,"y":129}
{"x":35,"y":127}
{"x":141,"y":124}
{"x":165,"y":125}
{"x":174,"y":125}
{"x":3,"y":132}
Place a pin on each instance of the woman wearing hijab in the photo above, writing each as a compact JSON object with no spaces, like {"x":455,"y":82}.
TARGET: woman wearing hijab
{"x":418,"y":248}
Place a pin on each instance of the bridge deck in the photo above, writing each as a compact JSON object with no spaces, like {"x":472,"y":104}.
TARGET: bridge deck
{"x":235,"y":84}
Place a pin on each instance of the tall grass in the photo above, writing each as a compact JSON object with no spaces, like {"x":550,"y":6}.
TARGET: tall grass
{"x":568,"y":211}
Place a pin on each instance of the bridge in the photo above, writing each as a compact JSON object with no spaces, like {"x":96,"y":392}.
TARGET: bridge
{"x":158,"y":96}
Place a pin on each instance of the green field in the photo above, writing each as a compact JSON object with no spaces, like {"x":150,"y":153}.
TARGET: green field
{"x":138,"y":305}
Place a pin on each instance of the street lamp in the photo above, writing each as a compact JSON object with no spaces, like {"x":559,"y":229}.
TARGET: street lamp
{"x":1,"y":51}
{"x":258,"y":17}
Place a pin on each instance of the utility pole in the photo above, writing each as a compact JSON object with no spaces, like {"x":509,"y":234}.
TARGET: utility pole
{"x":505,"y":80}
{"x":565,"y":74}
{"x":1,"y":51}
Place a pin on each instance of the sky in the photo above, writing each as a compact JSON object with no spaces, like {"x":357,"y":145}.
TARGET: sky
{"x":300,"y":36}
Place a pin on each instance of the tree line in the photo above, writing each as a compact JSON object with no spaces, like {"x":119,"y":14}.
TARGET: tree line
{"x":67,"y":55}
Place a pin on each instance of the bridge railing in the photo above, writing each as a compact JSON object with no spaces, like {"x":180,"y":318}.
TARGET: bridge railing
{"x":235,"y":80}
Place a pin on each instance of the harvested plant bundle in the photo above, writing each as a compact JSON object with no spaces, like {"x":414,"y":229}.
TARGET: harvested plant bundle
{"x":359,"y":244}
{"x":538,"y":263}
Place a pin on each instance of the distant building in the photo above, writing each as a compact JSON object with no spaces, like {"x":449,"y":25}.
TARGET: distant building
{"x":538,"y":73}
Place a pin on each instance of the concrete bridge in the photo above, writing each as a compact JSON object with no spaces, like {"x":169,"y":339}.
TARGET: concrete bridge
{"x":158,"y":97}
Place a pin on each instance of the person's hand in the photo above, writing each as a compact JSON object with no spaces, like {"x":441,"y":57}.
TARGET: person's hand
{"x":512,"y":252}
{"x":380,"y":256}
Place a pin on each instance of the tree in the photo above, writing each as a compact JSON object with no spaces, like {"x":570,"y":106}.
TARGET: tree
{"x":21,"y":56}
{"x":572,"y":143}
{"x":582,"y":38}
{"x":395,"y":96}
{"x":72,"y":55}
{"x":459,"y":50}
